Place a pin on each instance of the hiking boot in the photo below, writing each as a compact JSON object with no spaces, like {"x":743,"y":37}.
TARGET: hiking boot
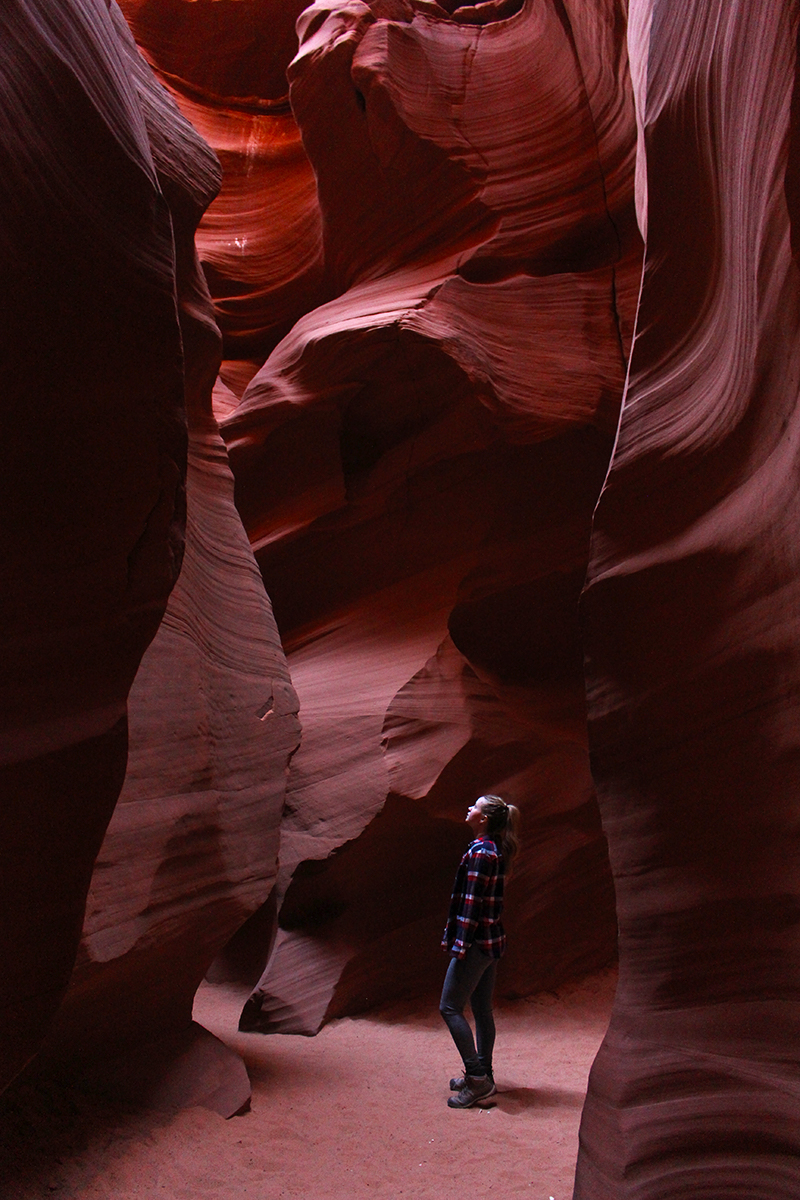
{"x":458,"y":1082}
{"x":476,"y":1087}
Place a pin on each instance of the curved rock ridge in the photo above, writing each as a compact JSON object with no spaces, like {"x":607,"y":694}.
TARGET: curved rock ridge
{"x":261,"y":241}
{"x":190,"y":851}
{"x":691,"y":615}
{"x":93,"y":484}
{"x":563,"y":95}
{"x":446,"y":129}
{"x":111,"y":343}
{"x":416,"y":465}
{"x":230,"y":50}
{"x":224,"y":62}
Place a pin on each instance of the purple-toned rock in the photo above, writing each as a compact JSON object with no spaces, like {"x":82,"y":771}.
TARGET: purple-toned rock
{"x":417,"y":462}
{"x":95,"y":458}
{"x":109,"y":344}
{"x":191,"y":849}
{"x":691,"y":613}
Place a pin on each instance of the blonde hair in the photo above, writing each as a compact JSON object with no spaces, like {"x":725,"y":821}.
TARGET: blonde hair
{"x":502,"y":823}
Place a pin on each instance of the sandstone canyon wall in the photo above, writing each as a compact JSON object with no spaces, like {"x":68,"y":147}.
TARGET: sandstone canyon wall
{"x":111,"y":345}
{"x":417,"y":462}
{"x":93,"y":488}
{"x":691,"y":617}
{"x":425,"y":267}
{"x":260,"y":243}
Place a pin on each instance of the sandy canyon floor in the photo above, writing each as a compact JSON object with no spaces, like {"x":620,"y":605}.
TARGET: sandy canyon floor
{"x":358,"y":1111}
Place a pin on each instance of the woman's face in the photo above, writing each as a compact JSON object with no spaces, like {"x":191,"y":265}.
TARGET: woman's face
{"x":476,"y":817}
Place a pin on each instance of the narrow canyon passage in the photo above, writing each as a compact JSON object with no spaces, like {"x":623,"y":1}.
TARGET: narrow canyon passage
{"x":401,"y":404}
{"x":357,"y":1111}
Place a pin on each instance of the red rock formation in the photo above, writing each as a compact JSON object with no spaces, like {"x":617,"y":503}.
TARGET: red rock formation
{"x":111,"y":340}
{"x":95,"y":450}
{"x":191,"y":848}
{"x":190,"y":852}
{"x":691,"y":612}
{"x":260,"y":242}
{"x":422,"y":454}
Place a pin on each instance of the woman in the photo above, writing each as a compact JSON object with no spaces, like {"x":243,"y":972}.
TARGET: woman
{"x":475,"y":938}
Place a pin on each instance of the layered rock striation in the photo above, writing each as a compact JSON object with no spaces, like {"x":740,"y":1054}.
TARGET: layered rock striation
{"x":260,"y":244}
{"x":691,"y":616}
{"x":93,"y":488}
{"x":190,"y":852}
{"x":111,"y":345}
{"x":416,"y":464}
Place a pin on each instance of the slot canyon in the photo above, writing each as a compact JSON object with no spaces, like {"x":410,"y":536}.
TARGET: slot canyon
{"x":401,"y":404}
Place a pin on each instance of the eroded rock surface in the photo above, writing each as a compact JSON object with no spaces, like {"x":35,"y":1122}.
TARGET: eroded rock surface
{"x":261,"y":240}
{"x":110,"y":342}
{"x":93,"y":478}
{"x":691,"y":613}
{"x":191,"y":849}
{"x":416,"y":464}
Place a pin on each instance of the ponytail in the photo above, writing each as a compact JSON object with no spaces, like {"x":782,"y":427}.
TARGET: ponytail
{"x":502,"y":823}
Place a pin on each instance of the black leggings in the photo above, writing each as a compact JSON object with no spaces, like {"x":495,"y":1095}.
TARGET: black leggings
{"x":471,"y":978}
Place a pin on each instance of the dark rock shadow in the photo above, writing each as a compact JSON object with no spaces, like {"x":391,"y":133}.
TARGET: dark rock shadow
{"x":520,"y":1099}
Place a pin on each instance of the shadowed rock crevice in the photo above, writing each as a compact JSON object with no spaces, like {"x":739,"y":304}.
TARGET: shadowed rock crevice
{"x":692,"y":698}
{"x":125,"y":357}
{"x":422,"y":453}
{"x":93,"y":506}
{"x":425,"y":266}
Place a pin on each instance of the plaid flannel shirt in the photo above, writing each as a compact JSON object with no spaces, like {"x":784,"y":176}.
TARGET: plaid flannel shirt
{"x":476,"y":906}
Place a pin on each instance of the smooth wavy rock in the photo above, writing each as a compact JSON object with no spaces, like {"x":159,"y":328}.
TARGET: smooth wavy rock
{"x":225,"y":49}
{"x":692,"y":643}
{"x":426,"y":134}
{"x":93,"y":480}
{"x":260,"y":243}
{"x":416,"y":464}
{"x":191,"y":849}
{"x":556,"y":110}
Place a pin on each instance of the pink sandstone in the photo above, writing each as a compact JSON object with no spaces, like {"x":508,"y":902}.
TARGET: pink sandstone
{"x":416,"y":464}
{"x":118,"y":183}
{"x":95,"y":457}
{"x":691,"y":617}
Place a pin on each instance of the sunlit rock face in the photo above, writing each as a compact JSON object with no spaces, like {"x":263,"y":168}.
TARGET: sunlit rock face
{"x":93,"y":480}
{"x":260,"y":243}
{"x":692,"y":630}
{"x":112,"y":344}
{"x":417,"y":462}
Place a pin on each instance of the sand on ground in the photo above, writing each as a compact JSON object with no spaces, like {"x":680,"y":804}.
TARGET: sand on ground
{"x":358,"y":1111}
